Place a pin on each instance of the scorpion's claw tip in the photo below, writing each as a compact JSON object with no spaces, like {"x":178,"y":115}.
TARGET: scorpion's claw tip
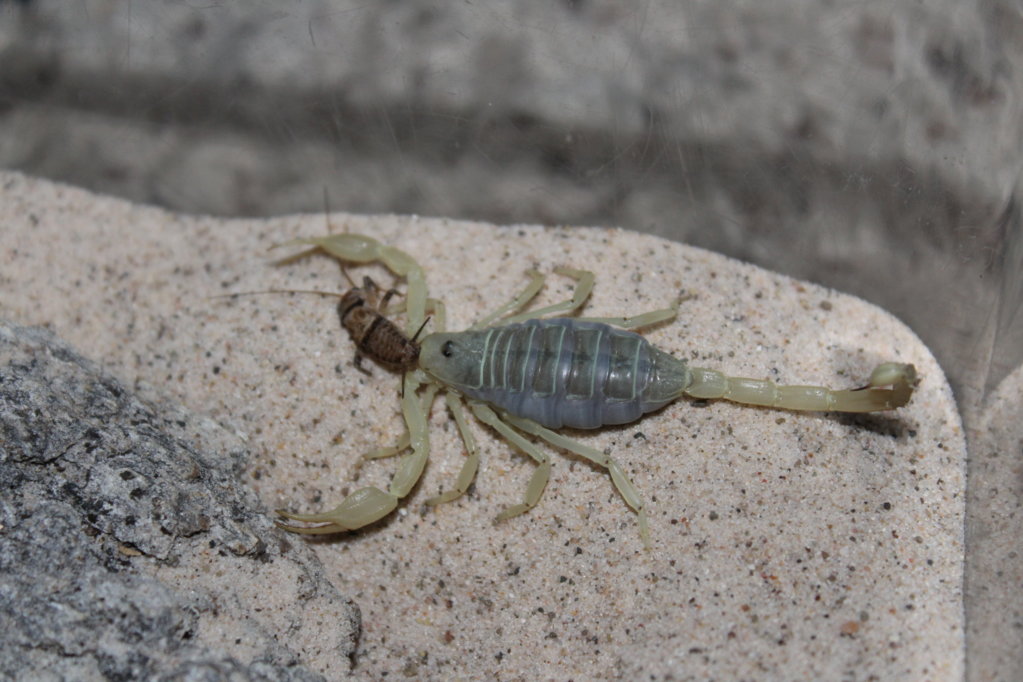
{"x":291,"y":528}
{"x":325,"y":529}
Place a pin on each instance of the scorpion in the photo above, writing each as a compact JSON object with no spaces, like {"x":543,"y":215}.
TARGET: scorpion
{"x":525,"y":374}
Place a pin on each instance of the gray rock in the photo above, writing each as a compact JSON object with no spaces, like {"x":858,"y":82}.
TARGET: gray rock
{"x":129,"y":548}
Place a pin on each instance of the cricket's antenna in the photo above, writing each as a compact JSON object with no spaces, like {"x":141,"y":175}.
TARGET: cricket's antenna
{"x":419,"y":331}
{"x":279,"y":291}
{"x":326,"y":209}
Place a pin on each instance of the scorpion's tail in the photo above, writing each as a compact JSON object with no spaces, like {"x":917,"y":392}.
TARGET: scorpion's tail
{"x":891,"y":385}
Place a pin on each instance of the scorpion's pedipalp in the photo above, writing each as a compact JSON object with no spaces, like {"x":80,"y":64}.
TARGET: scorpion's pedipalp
{"x":406,"y":440}
{"x":439,"y":311}
{"x":371,"y":504}
{"x":357,"y":248}
{"x":414,"y":411}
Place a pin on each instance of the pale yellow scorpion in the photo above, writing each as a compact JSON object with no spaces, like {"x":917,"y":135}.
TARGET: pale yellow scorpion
{"x":532,"y":374}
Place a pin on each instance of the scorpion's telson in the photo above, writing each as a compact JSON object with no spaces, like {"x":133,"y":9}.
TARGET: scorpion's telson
{"x":529,"y":376}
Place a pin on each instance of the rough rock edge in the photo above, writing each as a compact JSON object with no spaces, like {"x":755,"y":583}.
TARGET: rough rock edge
{"x":109,"y":524}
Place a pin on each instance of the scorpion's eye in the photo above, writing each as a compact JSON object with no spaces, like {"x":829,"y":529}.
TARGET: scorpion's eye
{"x":448,"y":349}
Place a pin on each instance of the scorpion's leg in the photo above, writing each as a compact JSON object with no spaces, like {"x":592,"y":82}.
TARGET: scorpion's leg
{"x":370,"y":504}
{"x":391,"y":450}
{"x":583,"y":287}
{"x":525,"y":296}
{"x":621,"y":480}
{"x":539,"y":479}
{"x":472,"y":462}
{"x":637,"y":321}
{"x":707,"y":383}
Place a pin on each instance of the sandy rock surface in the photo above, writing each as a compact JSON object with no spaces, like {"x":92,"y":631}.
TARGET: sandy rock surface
{"x":785,"y":545}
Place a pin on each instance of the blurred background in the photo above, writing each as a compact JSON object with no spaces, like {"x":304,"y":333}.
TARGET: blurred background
{"x":874,"y":147}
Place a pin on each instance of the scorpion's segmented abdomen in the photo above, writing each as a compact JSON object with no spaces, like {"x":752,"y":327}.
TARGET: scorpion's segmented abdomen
{"x":564,"y":372}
